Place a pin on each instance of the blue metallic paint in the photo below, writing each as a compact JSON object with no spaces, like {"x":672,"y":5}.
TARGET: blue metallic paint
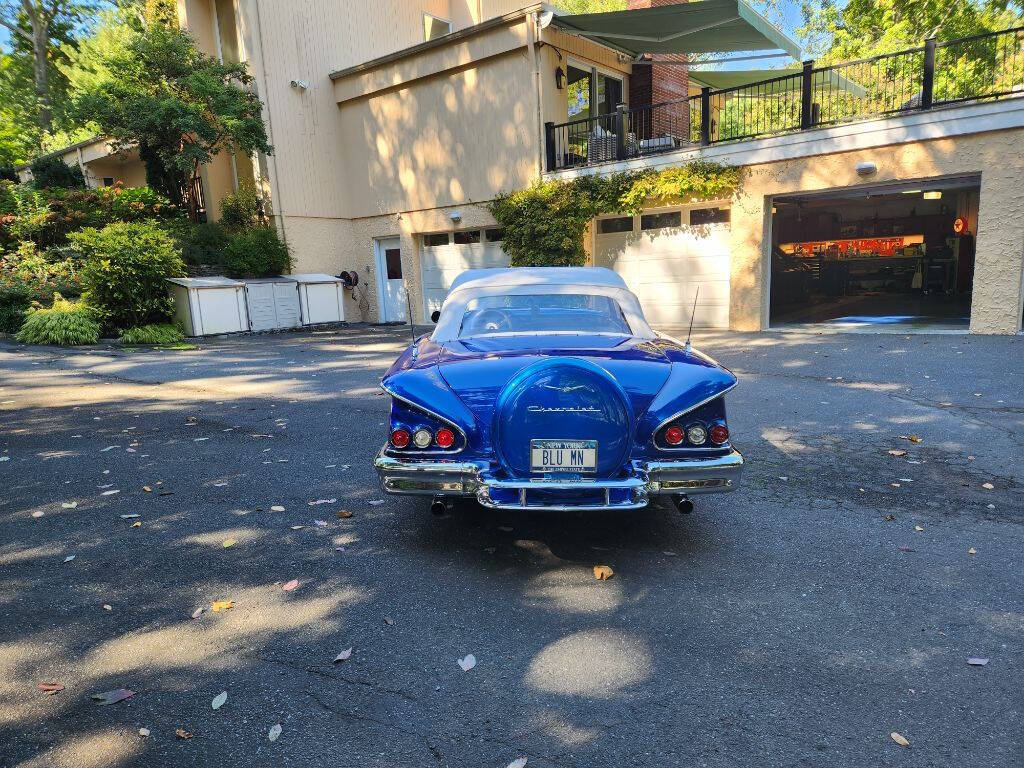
{"x":462,"y":382}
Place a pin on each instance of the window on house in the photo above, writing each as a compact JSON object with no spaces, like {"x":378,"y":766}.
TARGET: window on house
{"x":434,"y":27}
{"x":468,"y":237}
{"x":609,"y":93}
{"x":578,"y":92}
{"x":393,"y":262}
{"x":700,"y":216}
{"x":495,"y":235}
{"x":438,"y":238}
{"x":227,"y":28}
{"x":661,"y":220}
{"x":618,"y":224}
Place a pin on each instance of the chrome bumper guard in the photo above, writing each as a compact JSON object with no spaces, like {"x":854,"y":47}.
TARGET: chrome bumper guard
{"x":677,"y":477}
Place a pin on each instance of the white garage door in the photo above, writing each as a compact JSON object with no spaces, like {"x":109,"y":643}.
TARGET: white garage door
{"x":446,"y":254}
{"x":665,"y":255}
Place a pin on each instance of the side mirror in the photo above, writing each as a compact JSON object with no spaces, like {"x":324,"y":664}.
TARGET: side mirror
{"x":435,"y":315}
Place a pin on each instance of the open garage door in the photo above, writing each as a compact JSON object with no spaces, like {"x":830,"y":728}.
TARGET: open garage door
{"x":665,"y":255}
{"x":897,"y":256}
{"x":446,"y":254}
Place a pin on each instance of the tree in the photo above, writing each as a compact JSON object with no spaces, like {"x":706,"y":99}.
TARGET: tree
{"x":590,"y":6}
{"x":835,"y":31}
{"x":35,"y":22}
{"x":177,"y":105}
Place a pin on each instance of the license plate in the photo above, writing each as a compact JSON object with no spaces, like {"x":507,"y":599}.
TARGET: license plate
{"x":563,"y":455}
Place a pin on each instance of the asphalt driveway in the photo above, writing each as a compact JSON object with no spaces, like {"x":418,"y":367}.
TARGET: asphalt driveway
{"x":833,"y":600}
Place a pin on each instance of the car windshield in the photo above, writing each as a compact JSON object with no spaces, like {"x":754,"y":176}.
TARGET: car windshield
{"x":542,"y":313}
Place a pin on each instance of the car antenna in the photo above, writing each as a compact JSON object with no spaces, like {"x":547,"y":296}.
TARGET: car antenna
{"x":412,"y":326}
{"x":689,"y":333}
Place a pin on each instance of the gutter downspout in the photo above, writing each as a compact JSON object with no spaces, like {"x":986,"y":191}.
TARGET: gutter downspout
{"x":271,"y":159}
{"x":533,"y":37}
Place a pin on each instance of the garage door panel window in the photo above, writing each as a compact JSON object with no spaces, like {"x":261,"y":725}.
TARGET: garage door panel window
{"x":467,"y":237}
{"x":618,"y":224}
{"x":495,"y":235}
{"x":664,"y":220}
{"x":434,"y":240}
{"x":702,"y":216}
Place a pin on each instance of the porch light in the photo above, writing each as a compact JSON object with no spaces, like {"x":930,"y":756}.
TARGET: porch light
{"x":559,"y":78}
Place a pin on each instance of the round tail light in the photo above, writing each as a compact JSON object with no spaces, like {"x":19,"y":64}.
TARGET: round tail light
{"x":674,"y":435}
{"x":400,"y":438}
{"x":719,"y":434}
{"x":697,"y":435}
{"x":422,"y":438}
{"x":444,"y":438}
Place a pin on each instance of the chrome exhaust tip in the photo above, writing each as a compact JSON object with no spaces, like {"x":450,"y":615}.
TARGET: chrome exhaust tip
{"x":439,"y":506}
{"x":683,"y":504}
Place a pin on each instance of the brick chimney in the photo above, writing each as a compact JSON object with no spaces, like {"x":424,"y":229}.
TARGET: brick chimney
{"x":653,"y":84}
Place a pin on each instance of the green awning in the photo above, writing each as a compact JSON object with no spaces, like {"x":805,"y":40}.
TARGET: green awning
{"x":703,"y":26}
{"x":735,"y":78}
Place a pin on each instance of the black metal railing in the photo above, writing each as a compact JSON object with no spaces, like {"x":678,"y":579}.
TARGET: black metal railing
{"x":980,"y":67}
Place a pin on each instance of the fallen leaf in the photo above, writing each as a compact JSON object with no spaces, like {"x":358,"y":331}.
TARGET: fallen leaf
{"x":297,"y":527}
{"x":147,"y":489}
{"x":911,"y":438}
{"x":987,"y":486}
{"x":130,"y":517}
{"x":181,"y":733}
{"x":343,"y":514}
{"x":468,"y":662}
{"x":899,"y":739}
{"x":137,"y":524}
{"x":389,"y":621}
{"x":222,"y":605}
{"x":277,"y":508}
{"x":69,"y":558}
{"x":603,"y":572}
{"x":50,"y":689}
{"x":320,"y":523}
{"x":219,"y":699}
{"x":110,"y":493}
{"x":274,"y":732}
{"x":972,"y":551}
{"x":107,"y":607}
{"x":37,"y":513}
{"x":197,"y":613}
{"x":519,"y":762}
{"x":321,"y":501}
{"x":109,"y":448}
{"x":343,"y":656}
{"x":975,"y":661}
{"x":112,"y":697}
{"x":293,"y":584}
{"x":229,"y":543}
{"x":68,"y":504}
{"x":888,"y":518}
{"x":144,"y":732}
{"x":376,"y":502}
{"x":918,"y":528}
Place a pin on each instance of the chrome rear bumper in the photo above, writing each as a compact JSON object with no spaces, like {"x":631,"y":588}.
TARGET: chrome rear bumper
{"x":677,"y":477}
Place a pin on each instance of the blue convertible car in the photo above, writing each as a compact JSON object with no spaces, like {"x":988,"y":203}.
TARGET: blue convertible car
{"x":545,"y":388}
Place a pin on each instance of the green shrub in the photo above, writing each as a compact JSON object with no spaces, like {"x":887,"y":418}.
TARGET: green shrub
{"x":52,"y":172}
{"x":156,"y":333}
{"x":242,"y":210}
{"x":14,"y":305}
{"x":124,"y":272}
{"x":65,"y":324}
{"x":204,"y":244}
{"x":28,"y":276}
{"x":256,"y":252}
{"x":7,"y":173}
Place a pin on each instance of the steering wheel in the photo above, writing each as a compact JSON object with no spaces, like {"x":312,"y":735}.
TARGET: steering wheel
{"x":494,"y":320}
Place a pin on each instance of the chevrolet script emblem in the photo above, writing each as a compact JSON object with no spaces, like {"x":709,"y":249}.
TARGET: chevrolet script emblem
{"x":577,"y":409}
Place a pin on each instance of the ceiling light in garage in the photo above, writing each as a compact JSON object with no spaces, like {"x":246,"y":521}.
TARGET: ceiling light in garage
{"x":934,"y":194}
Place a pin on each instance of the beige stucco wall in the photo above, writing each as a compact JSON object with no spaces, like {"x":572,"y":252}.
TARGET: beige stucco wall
{"x":999,"y":263}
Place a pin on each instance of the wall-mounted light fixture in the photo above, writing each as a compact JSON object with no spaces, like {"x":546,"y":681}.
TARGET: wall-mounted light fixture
{"x":559,"y":78}
{"x":455,"y":216}
{"x":300,"y":85}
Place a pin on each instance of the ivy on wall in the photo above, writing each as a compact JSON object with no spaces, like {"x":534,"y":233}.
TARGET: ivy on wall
{"x":544,"y":224}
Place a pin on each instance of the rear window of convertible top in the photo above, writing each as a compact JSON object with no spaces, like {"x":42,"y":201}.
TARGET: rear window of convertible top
{"x":542,"y":313}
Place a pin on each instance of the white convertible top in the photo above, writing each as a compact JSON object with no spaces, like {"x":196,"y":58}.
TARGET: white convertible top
{"x":525,"y":281}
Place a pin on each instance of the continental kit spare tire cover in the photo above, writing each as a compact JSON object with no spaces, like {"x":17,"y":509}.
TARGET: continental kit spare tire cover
{"x":562,"y":399}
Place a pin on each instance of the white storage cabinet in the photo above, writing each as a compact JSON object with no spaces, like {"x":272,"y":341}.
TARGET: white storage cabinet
{"x":321,"y":298}
{"x":273,"y":303}
{"x":207,"y":306}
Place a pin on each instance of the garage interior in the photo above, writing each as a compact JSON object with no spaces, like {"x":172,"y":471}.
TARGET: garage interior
{"x":896,"y":256}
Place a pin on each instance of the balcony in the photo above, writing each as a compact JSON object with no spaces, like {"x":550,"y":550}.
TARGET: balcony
{"x":982,"y":67}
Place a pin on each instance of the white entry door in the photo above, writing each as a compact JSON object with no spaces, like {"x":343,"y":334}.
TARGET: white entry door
{"x":390,"y":283}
